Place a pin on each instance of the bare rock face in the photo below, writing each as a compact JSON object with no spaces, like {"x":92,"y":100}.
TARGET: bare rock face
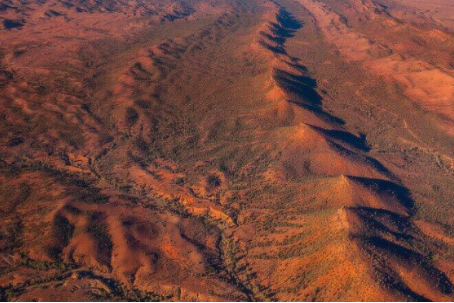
{"x":208,"y":150}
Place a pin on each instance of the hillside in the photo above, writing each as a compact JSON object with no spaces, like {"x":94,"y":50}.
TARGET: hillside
{"x":226,"y":150}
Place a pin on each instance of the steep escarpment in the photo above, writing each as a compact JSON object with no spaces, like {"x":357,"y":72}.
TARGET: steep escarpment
{"x":365,"y":213}
{"x":219,"y":150}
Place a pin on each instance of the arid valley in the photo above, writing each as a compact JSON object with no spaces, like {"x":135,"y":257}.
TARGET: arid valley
{"x":226,"y":150}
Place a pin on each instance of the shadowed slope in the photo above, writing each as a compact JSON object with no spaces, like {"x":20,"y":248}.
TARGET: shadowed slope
{"x":171,"y":150}
{"x":322,"y":148}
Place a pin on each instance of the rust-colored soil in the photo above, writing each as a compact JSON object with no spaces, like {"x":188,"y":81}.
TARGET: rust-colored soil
{"x":223,"y":150}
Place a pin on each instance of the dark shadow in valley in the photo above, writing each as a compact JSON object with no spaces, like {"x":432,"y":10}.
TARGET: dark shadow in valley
{"x":12,"y":24}
{"x":287,"y":21}
{"x":300,"y":79}
{"x":401,"y":193}
{"x":345,"y":137}
{"x":320,"y":113}
{"x":412,"y":258}
{"x":299,"y":87}
{"x":382,"y":221}
{"x":284,"y":28}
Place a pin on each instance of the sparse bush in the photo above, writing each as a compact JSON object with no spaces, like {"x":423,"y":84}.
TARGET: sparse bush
{"x":179,"y":181}
{"x":7,"y":293}
{"x":213,"y":181}
{"x":63,"y":230}
{"x":145,"y":104}
{"x":132,"y":116}
{"x":15,"y":141}
{"x":100,"y":232}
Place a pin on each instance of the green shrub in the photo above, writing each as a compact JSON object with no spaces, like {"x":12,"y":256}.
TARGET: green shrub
{"x":214,"y":181}
{"x":132,"y":116}
{"x":179,"y":181}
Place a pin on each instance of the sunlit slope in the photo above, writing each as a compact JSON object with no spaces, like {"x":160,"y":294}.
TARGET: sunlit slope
{"x":218,"y":150}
